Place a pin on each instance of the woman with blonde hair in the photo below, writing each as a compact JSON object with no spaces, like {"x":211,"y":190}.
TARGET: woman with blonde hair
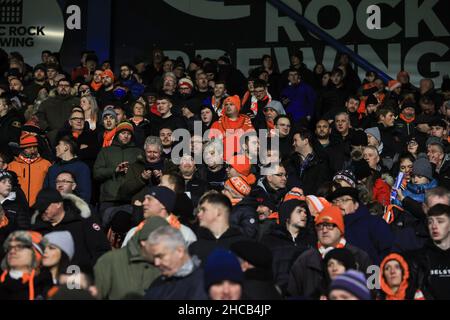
{"x":90,"y":107}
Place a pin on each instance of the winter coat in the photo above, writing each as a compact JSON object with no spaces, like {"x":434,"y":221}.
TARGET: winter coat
{"x":79,"y":169}
{"x":124,"y":272}
{"x":90,"y":240}
{"x":244,"y":217}
{"x":186,"y":287}
{"x":31,"y":176}
{"x":132,"y":183}
{"x":105,"y":168}
{"x":16,"y":210}
{"x":410,"y":233}
{"x":307,"y":273}
{"x":54,"y":112}
{"x":16,"y":289}
{"x":434,"y":264}
{"x":369,"y":233}
{"x":302,"y":100}
{"x":10,"y":130}
{"x":135,"y":87}
{"x":381,"y":192}
{"x":310,"y":173}
{"x":285,"y":250}
{"x":207,"y":242}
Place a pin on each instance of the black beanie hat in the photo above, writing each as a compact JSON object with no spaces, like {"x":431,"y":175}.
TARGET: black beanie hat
{"x":371,"y":99}
{"x":358,"y":138}
{"x":362,"y":169}
{"x":342,"y":255}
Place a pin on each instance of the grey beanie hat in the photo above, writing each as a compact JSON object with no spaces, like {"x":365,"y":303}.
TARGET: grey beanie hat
{"x":63,"y":240}
{"x":109,"y":110}
{"x":375,"y":132}
{"x":422,"y":167}
{"x":277,"y":106}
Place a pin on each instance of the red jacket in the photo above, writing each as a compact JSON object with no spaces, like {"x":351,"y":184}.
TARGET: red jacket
{"x":381,"y":192}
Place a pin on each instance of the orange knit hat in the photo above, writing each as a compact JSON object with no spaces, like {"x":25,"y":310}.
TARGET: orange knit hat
{"x":28,"y":140}
{"x":235,"y":100}
{"x":239,"y":185}
{"x":108,"y":73}
{"x":294,"y":194}
{"x":333,"y":215}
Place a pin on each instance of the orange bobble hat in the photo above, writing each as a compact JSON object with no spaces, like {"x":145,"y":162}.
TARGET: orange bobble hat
{"x":235,"y":100}
{"x":294,"y":194}
{"x":318,"y":203}
{"x":240,"y":185}
{"x":28,"y":140}
{"x":333,"y":215}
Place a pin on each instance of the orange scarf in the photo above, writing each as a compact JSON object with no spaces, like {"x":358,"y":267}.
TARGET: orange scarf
{"x":3,"y":221}
{"x":173,"y":221}
{"x":108,"y":137}
{"x":76,"y":134}
{"x":96,"y":86}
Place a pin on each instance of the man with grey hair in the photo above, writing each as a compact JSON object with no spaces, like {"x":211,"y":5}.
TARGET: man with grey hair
{"x":181,"y":275}
{"x":147,"y":170}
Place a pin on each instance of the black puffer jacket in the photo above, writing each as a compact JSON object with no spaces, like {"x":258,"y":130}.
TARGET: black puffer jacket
{"x":244,"y":217}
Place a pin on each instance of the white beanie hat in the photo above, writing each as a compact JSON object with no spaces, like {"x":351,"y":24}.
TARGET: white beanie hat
{"x":63,"y":240}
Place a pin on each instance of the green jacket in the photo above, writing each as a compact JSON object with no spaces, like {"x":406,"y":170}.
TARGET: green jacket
{"x":124,"y":273}
{"x":105,"y":168}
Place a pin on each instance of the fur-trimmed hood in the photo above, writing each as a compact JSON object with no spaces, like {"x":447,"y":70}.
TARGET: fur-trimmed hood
{"x":77,"y":202}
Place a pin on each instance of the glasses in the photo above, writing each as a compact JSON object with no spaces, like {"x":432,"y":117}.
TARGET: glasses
{"x":18,"y":247}
{"x":63,"y":181}
{"x":328,"y":226}
{"x":281,"y":175}
{"x":339,"y":201}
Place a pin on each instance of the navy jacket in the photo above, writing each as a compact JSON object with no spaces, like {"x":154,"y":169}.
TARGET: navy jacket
{"x":369,"y":233}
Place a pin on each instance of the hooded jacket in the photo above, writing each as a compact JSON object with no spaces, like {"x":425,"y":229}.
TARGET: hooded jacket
{"x":125,"y":273}
{"x":30,"y":176}
{"x":408,"y":289}
{"x":90,"y":240}
{"x":105,"y":168}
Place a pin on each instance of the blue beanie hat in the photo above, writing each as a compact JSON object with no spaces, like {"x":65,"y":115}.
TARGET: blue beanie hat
{"x":353,"y":282}
{"x":222,"y":265}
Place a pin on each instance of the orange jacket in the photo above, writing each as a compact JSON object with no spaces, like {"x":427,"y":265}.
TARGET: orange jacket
{"x":230,"y":132}
{"x":31,"y":176}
